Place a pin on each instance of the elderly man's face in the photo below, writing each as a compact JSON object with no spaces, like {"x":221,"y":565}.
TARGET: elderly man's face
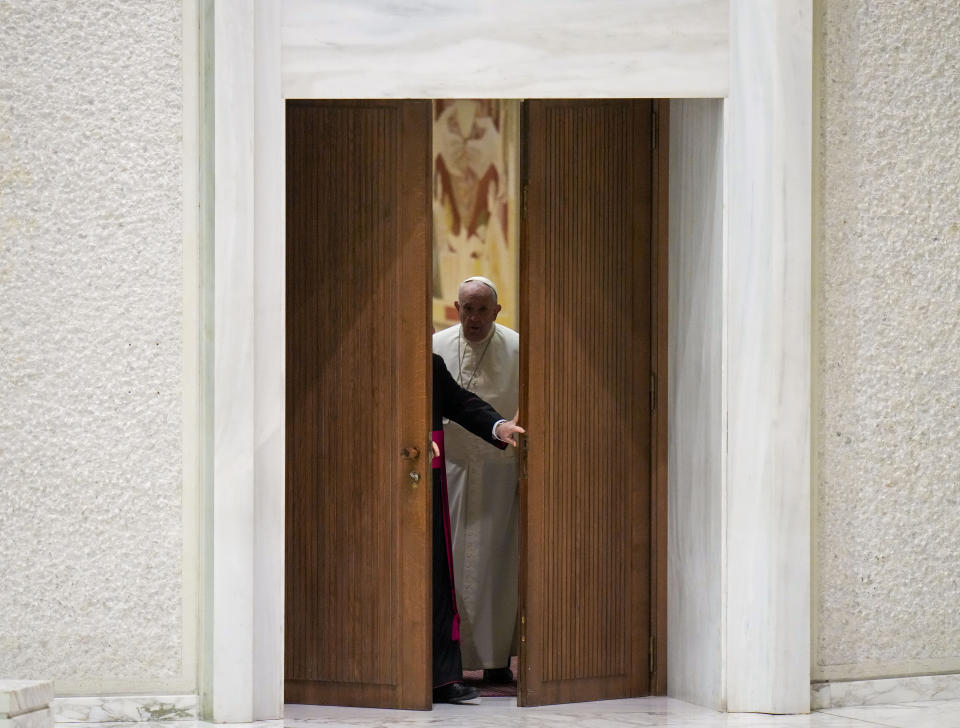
{"x":477,"y":310}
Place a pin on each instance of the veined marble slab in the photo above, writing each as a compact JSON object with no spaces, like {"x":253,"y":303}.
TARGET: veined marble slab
{"x":230,"y":345}
{"x":768,"y":258}
{"x":270,"y":381}
{"x":819,"y":696}
{"x":885,"y":691}
{"x":695,"y":440}
{"x":922,"y":714}
{"x":23,"y":696}
{"x":42,"y":718}
{"x":504,"y":49}
{"x":126,"y":709}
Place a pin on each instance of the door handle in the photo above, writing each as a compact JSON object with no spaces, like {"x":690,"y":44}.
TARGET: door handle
{"x":411,"y":453}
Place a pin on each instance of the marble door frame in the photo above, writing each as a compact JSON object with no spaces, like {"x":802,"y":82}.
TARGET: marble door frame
{"x":764,"y":521}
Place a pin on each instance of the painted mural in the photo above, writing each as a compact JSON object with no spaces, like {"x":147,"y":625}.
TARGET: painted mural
{"x":475,"y":222}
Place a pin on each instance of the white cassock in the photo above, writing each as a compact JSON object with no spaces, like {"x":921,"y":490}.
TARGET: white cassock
{"x":482,"y":489}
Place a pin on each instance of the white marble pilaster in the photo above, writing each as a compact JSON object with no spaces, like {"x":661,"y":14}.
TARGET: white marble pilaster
{"x":696,"y":422}
{"x":269,"y":426}
{"x":768,"y":156}
{"x":244,"y":642}
{"x":230,"y":107}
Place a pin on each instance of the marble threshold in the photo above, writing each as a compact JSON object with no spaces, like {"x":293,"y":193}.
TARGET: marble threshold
{"x":652,"y":712}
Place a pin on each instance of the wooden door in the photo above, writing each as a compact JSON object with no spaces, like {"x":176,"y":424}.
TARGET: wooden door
{"x":358,"y":362}
{"x":586,"y":365}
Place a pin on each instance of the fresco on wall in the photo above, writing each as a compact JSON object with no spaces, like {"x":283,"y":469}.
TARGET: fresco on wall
{"x":475,"y":224}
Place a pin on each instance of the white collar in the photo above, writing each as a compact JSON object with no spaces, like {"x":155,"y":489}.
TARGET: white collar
{"x":484,"y":340}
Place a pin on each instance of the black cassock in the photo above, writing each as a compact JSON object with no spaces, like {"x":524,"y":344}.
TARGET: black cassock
{"x":473,"y":414}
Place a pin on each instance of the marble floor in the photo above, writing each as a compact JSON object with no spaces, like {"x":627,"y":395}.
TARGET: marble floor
{"x":503,"y":713}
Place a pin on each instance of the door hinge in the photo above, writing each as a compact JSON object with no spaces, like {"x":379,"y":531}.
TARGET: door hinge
{"x":523,"y":201}
{"x":653,"y":392}
{"x":653,"y":653}
{"x":655,"y":130}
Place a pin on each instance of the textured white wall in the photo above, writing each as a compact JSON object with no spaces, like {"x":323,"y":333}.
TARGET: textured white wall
{"x":91,"y":288}
{"x":887,"y":580}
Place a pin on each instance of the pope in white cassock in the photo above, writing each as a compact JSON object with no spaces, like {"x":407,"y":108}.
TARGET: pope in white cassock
{"x":483,"y":357}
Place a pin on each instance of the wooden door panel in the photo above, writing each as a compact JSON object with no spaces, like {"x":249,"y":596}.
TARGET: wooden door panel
{"x":586,"y":368}
{"x":358,"y":350}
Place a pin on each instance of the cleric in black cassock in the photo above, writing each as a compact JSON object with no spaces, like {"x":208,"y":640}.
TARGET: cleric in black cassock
{"x":450,"y":400}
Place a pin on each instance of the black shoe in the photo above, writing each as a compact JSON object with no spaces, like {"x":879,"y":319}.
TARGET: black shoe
{"x":498,"y":676}
{"x":455,"y":692}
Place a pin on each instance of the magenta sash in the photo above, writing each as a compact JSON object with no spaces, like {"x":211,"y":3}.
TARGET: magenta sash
{"x":439,"y":463}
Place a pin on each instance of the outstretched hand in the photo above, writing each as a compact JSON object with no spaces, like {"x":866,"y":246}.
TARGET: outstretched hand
{"x":507,"y":430}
